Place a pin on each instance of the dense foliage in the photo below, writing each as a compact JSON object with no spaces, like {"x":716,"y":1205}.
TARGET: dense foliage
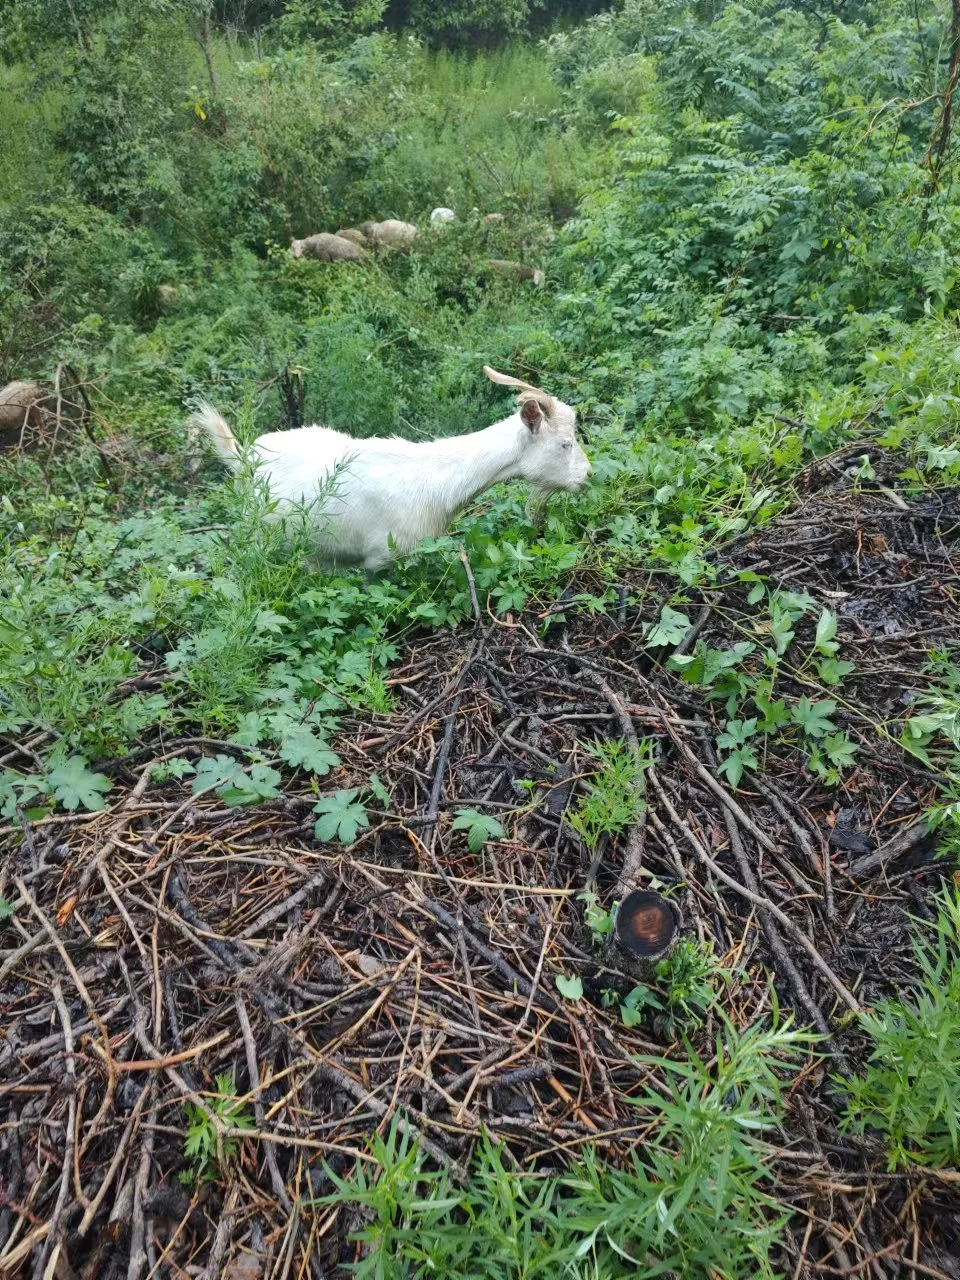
{"x":744,"y":213}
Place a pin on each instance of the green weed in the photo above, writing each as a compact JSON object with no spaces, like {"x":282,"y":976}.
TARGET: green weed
{"x":909,"y":1093}
{"x":693,"y":1200}
{"x":615,"y":799}
{"x":200,"y":1145}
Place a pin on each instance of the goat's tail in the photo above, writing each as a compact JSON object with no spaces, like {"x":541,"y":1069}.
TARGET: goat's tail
{"x":206,"y":423}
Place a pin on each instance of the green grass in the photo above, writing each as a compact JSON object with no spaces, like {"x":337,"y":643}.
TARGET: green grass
{"x":615,"y":797}
{"x":693,"y":1201}
{"x":29,"y":161}
{"x":909,"y":1094}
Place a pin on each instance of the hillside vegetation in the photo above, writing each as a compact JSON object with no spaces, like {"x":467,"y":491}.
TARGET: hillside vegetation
{"x":308,"y":882}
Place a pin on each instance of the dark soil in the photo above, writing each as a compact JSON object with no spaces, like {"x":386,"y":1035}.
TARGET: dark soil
{"x":170,"y":939}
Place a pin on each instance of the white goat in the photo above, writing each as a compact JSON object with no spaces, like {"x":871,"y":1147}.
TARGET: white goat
{"x":377,"y":498}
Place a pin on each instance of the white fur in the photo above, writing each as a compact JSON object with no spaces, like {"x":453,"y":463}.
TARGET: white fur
{"x":388,"y":494}
{"x":442,"y":215}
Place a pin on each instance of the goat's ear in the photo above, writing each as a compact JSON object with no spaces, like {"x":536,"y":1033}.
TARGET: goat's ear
{"x":532,"y":414}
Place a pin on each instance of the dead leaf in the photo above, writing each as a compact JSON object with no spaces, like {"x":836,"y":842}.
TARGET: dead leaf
{"x":66,"y":911}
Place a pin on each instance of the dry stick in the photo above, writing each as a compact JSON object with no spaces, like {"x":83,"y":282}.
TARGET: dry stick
{"x":721,"y":792}
{"x":14,"y":958}
{"x":431,"y":706}
{"x":138,"y":1256}
{"x":253,"y":1071}
{"x":783,"y":862}
{"x":53,"y":1243}
{"x":688,"y":641}
{"x":77,"y":980}
{"x":109,"y":845}
{"x":906,"y":839}
{"x":782,"y":958}
{"x":118,"y":1156}
{"x":40,"y":1047}
{"x":430,"y":830}
{"x":172,"y":1059}
{"x":275,"y":1011}
{"x":756,"y":898}
{"x":492,"y":957}
{"x":633,"y":854}
{"x":277,"y":912}
{"x":802,"y":837}
{"x":335,"y":1076}
{"x":464,"y":560}
{"x":222,"y":1237}
{"x":85,"y":415}
{"x":937,"y":151}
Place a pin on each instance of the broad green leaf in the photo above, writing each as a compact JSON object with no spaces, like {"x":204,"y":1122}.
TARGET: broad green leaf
{"x":826,"y":629}
{"x":379,"y":791}
{"x":479,"y":828}
{"x":570,"y":987}
{"x":670,"y":629}
{"x":75,"y":786}
{"x":832,"y":670}
{"x":814,"y":717}
{"x":341,"y":816}
{"x":302,"y":748}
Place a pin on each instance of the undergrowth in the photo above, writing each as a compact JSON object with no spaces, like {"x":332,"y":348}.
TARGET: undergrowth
{"x":693,"y":1201}
{"x":909,"y":1094}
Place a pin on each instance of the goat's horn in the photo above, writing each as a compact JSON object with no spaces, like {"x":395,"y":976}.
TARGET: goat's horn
{"x":506,"y":381}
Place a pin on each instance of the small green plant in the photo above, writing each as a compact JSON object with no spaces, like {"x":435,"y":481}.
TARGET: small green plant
{"x":342,"y":815}
{"x":570,"y":986}
{"x":69,"y":782}
{"x":233,"y":782}
{"x":480,"y":828}
{"x":200,"y":1143}
{"x":615,"y":800}
{"x":910,"y":1091}
{"x":687,"y":987}
{"x":691,"y":976}
{"x":597,"y":918}
{"x":692,"y":1201}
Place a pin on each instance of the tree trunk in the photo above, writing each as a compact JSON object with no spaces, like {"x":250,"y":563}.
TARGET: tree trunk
{"x":940,"y":140}
{"x":203,"y":40}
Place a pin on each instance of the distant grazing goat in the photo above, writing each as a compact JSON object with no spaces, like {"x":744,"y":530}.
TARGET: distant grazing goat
{"x":378,"y":498}
{"x":517,"y":271}
{"x":327,"y":248}
{"x":391,"y":234}
{"x":351,"y":233}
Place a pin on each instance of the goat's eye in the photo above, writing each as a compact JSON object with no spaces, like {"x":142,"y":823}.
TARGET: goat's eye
{"x":567,"y":444}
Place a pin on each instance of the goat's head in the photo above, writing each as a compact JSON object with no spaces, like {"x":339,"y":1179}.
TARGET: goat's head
{"x":553,"y":458}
